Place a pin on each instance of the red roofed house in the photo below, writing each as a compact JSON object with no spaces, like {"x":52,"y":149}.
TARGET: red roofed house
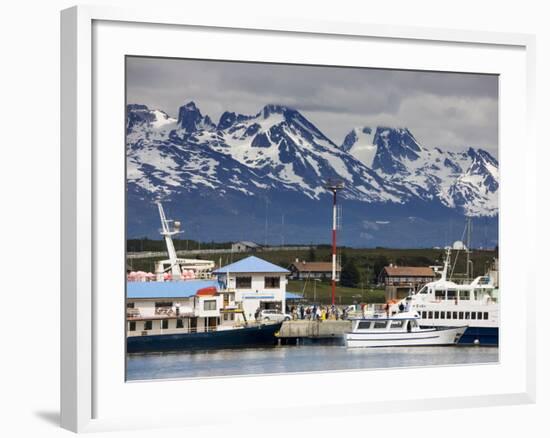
{"x":401,"y":280}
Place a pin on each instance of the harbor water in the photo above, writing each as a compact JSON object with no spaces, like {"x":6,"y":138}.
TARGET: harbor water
{"x":295,"y":359}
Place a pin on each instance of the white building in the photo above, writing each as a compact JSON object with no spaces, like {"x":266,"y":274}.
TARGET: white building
{"x":256,"y":284}
{"x":245,"y":246}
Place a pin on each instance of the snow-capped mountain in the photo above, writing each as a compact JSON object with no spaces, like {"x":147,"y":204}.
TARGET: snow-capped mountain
{"x":280,"y":156}
{"x":465,"y":180}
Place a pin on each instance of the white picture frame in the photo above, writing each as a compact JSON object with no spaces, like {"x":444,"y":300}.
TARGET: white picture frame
{"x":93,"y":397}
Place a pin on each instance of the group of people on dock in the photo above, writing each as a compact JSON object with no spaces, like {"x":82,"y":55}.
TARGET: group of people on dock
{"x":318,"y":313}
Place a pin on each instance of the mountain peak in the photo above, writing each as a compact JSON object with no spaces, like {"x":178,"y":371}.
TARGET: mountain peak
{"x":272,"y":108}
{"x":191,"y":120}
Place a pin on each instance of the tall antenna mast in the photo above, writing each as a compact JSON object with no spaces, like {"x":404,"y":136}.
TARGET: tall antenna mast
{"x":334,"y":186}
{"x":167,"y":231}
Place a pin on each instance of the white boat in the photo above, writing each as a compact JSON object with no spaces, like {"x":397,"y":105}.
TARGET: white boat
{"x":444,"y":303}
{"x":399,"y":330}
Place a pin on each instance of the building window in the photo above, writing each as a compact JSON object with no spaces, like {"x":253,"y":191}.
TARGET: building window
{"x":210,"y":305}
{"x":130,"y":305}
{"x":243,"y":282}
{"x":226,"y":316}
{"x":272,"y":282}
{"x":148,"y":325}
{"x":179,"y":323}
{"x":132,"y":326}
{"x":163,"y":304}
{"x":164,"y":323}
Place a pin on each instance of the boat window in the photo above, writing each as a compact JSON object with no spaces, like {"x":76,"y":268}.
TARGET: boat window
{"x":130,"y":305}
{"x":164,"y":323}
{"x":243,"y":282}
{"x":455,"y":315}
{"x":363,"y":325}
{"x":440,"y":294}
{"x":430,"y":314}
{"x":473,"y":315}
{"x":436,"y":314}
{"x":148,"y":325}
{"x":380,"y":324}
{"x":423,"y":314}
{"x":485,"y":315}
{"x":479,"y":315}
{"x":442,"y":315}
{"x":397,"y":324}
{"x":467,"y":315}
{"x":413,"y":323}
{"x":423,"y":290}
{"x":464,"y":294}
{"x":448,"y":315}
{"x":460,"y":315}
{"x":132,"y":327}
{"x":451,"y":294}
{"x":179,"y":323}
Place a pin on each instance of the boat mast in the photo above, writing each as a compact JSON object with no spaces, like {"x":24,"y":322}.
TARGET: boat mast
{"x":168,"y":232}
{"x":468,"y":246}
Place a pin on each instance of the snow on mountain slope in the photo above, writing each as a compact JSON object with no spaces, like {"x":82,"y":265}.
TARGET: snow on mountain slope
{"x":359,"y":143}
{"x":279,"y":149}
{"x":464,"y":180}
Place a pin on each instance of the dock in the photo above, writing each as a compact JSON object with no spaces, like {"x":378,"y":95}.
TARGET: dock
{"x":314,"y":329}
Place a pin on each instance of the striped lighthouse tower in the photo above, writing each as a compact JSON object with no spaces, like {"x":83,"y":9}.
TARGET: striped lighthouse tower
{"x":334,"y":186}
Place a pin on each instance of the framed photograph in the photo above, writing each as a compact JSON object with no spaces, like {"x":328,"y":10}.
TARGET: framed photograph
{"x":251,"y":206}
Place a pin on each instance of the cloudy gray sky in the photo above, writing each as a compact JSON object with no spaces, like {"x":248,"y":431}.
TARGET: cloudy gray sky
{"x":449,"y":110}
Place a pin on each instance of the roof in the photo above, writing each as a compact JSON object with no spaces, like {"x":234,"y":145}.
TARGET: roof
{"x":409,"y":271}
{"x":248,"y":243}
{"x":251,"y":265}
{"x":314,"y":266}
{"x":166,"y":289}
{"x":293,"y":296}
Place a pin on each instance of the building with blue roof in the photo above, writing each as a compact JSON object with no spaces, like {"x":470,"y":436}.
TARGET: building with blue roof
{"x":256,"y":283}
{"x":252,"y":264}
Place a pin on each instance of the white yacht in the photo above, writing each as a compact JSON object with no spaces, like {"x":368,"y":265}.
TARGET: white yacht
{"x":444,"y":303}
{"x":399,"y":330}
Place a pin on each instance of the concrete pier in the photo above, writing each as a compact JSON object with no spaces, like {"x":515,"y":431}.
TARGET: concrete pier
{"x":314,"y":329}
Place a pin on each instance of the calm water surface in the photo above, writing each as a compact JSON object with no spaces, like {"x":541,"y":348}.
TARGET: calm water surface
{"x":294,"y":359}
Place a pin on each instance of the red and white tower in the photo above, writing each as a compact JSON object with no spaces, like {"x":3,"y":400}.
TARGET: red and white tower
{"x":334,"y":186}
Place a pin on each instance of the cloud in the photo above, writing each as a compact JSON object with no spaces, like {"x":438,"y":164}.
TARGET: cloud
{"x":450,"y":110}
